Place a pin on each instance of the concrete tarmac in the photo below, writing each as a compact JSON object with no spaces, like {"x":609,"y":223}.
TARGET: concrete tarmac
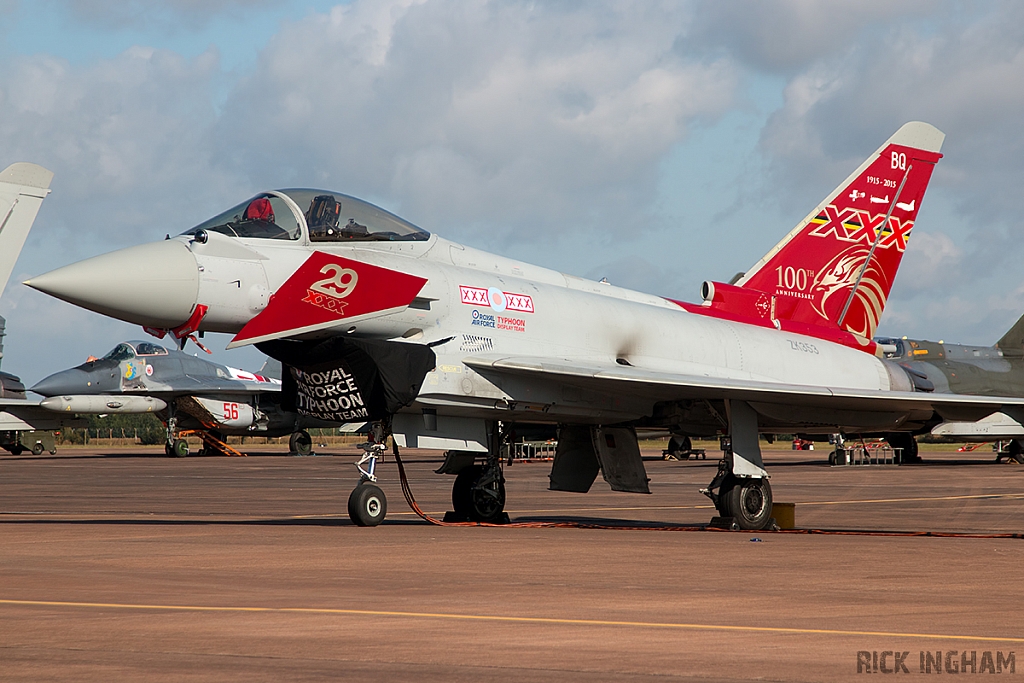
{"x":126,"y":565}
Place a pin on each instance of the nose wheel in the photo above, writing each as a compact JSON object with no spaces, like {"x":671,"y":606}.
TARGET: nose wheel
{"x":178,"y":448}
{"x":367,"y":505}
{"x":174,"y":447}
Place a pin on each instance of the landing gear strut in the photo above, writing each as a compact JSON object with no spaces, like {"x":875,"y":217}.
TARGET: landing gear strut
{"x":1014,"y":453}
{"x":479,"y":493}
{"x":367,"y":505}
{"x":746,"y":500}
{"x":300,"y":443}
{"x":740,"y":489}
{"x":175,"y":447}
{"x":908,"y":445}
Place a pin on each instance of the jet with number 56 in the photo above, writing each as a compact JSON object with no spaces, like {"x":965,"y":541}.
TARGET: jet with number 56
{"x":189,"y":394}
{"x":446,"y":347}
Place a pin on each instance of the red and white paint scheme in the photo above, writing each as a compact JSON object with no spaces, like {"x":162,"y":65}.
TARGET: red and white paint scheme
{"x":785,"y":349}
{"x":233,"y":414}
{"x":496,"y":299}
{"x":830,"y":277}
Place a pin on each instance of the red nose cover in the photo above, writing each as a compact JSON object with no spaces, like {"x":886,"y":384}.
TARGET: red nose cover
{"x":328,"y":291}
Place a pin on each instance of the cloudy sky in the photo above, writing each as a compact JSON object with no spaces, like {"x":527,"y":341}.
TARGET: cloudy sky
{"x":658,"y":145}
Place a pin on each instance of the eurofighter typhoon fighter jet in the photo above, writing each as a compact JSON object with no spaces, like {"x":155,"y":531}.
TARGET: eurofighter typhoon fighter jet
{"x":450,"y":348}
{"x":189,"y":394}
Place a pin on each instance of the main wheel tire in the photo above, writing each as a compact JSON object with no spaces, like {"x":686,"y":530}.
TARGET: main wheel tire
{"x":749,"y":501}
{"x":679,"y":447}
{"x":1014,"y":453}
{"x":908,"y":444}
{"x":367,"y":505}
{"x":477,"y":501}
{"x":179,"y":449}
{"x":300,"y":443}
{"x":38,"y":449}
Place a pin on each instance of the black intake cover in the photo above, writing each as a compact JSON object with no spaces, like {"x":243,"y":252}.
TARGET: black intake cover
{"x":348,"y":380}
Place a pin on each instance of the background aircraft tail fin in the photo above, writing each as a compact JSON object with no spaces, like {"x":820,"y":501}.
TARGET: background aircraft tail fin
{"x":272,"y":369}
{"x":23,"y":187}
{"x":836,"y":267}
{"x":1012,"y":343}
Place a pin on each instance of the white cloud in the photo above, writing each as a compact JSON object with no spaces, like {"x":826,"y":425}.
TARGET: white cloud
{"x":515,"y":122}
{"x":168,"y":13}
{"x":128,"y":140}
{"x":931,"y":260}
{"x":788,"y":34}
{"x":965,"y":75}
{"x":521,"y":117}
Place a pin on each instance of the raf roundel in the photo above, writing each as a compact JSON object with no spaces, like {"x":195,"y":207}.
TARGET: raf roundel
{"x":497,"y":299}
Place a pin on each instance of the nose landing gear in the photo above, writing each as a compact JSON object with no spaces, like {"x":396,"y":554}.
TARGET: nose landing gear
{"x":367,"y":504}
{"x":175,"y":447}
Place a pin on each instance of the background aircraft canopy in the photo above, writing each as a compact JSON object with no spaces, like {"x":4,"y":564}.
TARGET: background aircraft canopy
{"x":120,"y":352}
{"x":129,"y":350}
{"x":329,"y":217}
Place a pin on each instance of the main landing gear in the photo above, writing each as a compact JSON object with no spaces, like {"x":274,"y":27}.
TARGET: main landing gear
{"x":175,"y":447}
{"x":907,"y":445}
{"x":1013,"y":453}
{"x":478,"y":494}
{"x":367,"y":505}
{"x":740,"y":489}
{"x":300,"y":443}
{"x":745,"y":500}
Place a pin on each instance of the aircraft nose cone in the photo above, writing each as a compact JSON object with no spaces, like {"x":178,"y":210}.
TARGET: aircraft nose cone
{"x":64,"y":383}
{"x":152,"y":284}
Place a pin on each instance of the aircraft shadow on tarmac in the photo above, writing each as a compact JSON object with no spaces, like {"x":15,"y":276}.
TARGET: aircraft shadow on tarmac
{"x":340,"y":520}
{"x":155,"y":455}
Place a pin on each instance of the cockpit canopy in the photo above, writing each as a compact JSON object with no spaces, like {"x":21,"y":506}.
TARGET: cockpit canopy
{"x":129,"y":350}
{"x":329,"y":217}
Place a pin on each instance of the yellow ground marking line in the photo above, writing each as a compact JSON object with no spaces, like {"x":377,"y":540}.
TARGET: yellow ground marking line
{"x":510,"y":619}
{"x":1009,"y":496}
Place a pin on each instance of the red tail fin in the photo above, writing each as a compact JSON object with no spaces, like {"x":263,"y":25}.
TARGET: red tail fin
{"x":837,"y":266}
{"x":830,"y":276}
